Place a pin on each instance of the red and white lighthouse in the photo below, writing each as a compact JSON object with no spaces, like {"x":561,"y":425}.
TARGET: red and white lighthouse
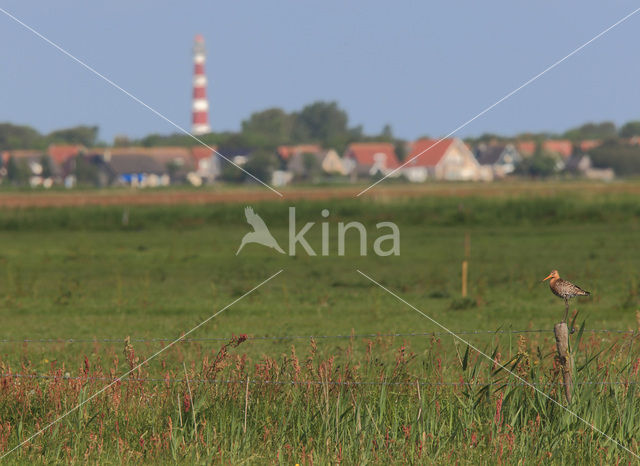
{"x":200,"y":106}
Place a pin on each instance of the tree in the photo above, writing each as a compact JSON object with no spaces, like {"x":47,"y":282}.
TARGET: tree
{"x":85,"y":171}
{"x":84,"y":135}
{"x":539,"y":165}
{"x":45,"y":162}
{"x":311,"y":166}
{"x":630,"y":129}
{"x":325,"y":123}
{"x":604,"y":130}
{"x":19,"y":137}
{"x":623,"y":158}
{"x":261,"y":165}
{"x":17,"y":171}
{"x":268,"y":129}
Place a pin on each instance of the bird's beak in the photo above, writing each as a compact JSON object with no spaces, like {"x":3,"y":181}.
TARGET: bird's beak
{"x":550,"y":275}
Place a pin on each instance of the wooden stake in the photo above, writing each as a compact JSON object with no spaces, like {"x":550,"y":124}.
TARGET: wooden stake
{"x":564,"y":357}
{"x":465,"y":267}
{"x":467,"y":245}
{"x":246,"y":407}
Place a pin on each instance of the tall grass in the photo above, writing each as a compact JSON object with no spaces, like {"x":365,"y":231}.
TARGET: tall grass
{"x":304,"y":407}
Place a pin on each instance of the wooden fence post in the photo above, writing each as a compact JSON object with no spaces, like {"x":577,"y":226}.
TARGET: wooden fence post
{"x":564,"y":357}
{"x":465,"y":263}
{"x":465,"y":269}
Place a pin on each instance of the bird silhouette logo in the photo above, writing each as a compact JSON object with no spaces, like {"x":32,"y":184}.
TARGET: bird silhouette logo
{"x":260,"y":233}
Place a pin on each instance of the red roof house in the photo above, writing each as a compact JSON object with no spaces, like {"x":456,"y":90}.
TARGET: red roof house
{"x":60,"y":153}
{"x":372,"y":157}
{"x":286,"y":152}
{"x":446,"y":159}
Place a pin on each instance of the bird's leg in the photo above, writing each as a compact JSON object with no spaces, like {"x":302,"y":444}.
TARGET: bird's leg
{"x":566,"y":310}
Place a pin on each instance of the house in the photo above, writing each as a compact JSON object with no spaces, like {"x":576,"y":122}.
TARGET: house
{"x":580,"y":164}
{"x":446,"y":159}
{"x":332,"y":163}
{"x":560,"y":147}
{"x":588,"y":144}
{"x":286,"y":152}
{"x":370,"y":159}
{"x":174,"y":162}
{"x":502,"y":158}
{"x":326,"y":162}
{"x":35,"y":166}
{"x":204,"y":161}
{"x":134,"y":169}
{"x":60,"y":153}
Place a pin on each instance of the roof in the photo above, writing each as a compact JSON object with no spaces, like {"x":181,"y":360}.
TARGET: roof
{"x":364,"y":153}
{"x":161,"y":155}
{"x":526,"y":147}
{"x":489,"y":155}
{"x":122,"y":164}
{"x":285,"y":152}
{"x":589,"y":144}
{"x":563,"y":147}
{"x":428,"y":152}
{"x":24,"y":154}
{"x":201,"y":152}
{"x":60,"y":153}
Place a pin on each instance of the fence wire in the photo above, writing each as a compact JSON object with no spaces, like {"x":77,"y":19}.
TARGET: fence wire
{"x":310,"y":382}
{"x":298,"y":337}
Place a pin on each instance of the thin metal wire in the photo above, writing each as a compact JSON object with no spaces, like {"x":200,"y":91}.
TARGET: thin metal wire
{"x":299,"y":337}
{"x":307,"y":382}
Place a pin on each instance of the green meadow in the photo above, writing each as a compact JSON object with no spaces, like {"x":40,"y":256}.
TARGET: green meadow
{"x":102,"y":274}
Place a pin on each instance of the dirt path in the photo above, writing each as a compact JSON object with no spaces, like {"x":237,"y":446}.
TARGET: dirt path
{"x":237,"y":195}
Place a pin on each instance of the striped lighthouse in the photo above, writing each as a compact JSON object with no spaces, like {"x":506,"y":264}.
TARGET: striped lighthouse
{"x":200,"y":106}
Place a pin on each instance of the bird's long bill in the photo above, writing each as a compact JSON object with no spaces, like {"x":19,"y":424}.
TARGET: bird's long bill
{"x":550,"y":275}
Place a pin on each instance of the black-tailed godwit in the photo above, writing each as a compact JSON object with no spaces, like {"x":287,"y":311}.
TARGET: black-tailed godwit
{"x":565,"y":290}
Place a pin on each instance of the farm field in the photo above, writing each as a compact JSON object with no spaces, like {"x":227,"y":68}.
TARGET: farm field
{"x":319,"y":364}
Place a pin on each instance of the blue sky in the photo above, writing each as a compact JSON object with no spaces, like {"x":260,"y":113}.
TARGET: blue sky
{"x":423,"y":67}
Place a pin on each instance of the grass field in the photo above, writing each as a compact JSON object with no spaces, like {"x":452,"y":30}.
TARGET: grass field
{"x":82,"y":273}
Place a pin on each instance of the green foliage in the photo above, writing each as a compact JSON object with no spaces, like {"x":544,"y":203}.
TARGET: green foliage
{"x":45,"y":161}
{"x":19,"y":137}
{"x":17,"y":171}
{"x":268,"y":128}
{"x":86,"y":173}
{"x":84,"y":135}
{"x":311,"y":166}
{"x":325,"y":123}
{"x":623,"y":158}
{"x":630,"y":129}
{"x":604,"y":130}
{"x":539,"y":165}
{"x":81,"y":273}
{"x":261,"y":164}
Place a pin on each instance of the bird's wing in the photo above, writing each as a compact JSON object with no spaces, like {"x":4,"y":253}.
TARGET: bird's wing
{"x":575,"y":289}
{"x":254,"y":219}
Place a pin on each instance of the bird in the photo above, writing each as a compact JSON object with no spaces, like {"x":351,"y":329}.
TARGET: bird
{"x":565,"y":290}
{"x":260,"y":233}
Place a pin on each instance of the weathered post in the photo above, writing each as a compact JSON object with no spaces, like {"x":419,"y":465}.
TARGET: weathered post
{"x":465,"y":263}
{"x":564,"y":357}
{"x":465,"y":271}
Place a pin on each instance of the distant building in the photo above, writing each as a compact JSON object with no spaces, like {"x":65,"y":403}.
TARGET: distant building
{"x":325,"y":162}
{"x":560,"y":147}
{"x":371,"y":159}
{"x":580,"y":164}
{"x":447,"y":159}
{"x":205,"y":163}
{"x":286,"y":152}
{"x":502,"y":158}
